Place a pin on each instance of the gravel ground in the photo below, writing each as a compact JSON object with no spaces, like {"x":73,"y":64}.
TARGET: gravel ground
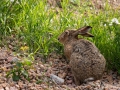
{"x":40,"y":72}
{"x":40,"y":80}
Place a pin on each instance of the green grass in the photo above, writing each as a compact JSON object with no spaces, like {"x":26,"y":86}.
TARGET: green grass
{"x":39,"y":25}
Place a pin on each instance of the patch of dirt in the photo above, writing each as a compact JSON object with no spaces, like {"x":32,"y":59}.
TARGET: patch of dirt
{"x":40,"y":76}
{"x":98,"y":4}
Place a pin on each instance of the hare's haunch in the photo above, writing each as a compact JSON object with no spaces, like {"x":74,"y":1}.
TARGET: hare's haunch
{"x":86,"y":61}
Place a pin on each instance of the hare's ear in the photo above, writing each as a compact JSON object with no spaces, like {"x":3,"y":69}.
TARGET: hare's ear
{"x":87,"y":35}
{"x":84,"y":31}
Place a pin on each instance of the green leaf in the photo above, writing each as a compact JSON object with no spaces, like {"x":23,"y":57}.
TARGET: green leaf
{"x":24,"y":73}
{"x":15,"y":77}
{"x":27,"y":62}
{"x":8,"y":74}
{"x":39,"y":81}
{"x":119,"y":71}
{"x":19,"y":64}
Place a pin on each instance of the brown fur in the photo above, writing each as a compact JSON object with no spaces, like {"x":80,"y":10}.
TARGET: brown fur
{"x":86,"y":61}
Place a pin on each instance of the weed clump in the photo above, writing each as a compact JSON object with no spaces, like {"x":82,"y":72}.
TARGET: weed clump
{"x":40,"y":24}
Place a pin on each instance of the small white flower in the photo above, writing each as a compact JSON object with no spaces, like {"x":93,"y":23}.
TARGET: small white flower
{"x":114,"y":20}
{"x":12,"y":0}
{"x":105,"y":25}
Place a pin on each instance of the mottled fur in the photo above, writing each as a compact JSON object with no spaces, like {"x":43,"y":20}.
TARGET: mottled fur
{"x":86,"y":61}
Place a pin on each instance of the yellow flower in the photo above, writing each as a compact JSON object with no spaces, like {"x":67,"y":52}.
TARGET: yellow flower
{"x":24,"y":48}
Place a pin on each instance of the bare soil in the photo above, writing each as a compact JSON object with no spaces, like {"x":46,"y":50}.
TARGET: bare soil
{"x":56,"y":64}
{"x":40,"y":79}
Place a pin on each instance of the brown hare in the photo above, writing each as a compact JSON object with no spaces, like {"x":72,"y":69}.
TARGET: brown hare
{"x":86,"y":61}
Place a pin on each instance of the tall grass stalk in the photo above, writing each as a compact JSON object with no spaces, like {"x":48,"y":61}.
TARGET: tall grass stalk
{"x":39,"y":25}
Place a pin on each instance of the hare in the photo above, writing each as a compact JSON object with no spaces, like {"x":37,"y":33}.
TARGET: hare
{"x":85,"y":59}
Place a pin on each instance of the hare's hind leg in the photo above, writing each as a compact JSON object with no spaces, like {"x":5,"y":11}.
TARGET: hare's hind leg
{"x":77,"y":81}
